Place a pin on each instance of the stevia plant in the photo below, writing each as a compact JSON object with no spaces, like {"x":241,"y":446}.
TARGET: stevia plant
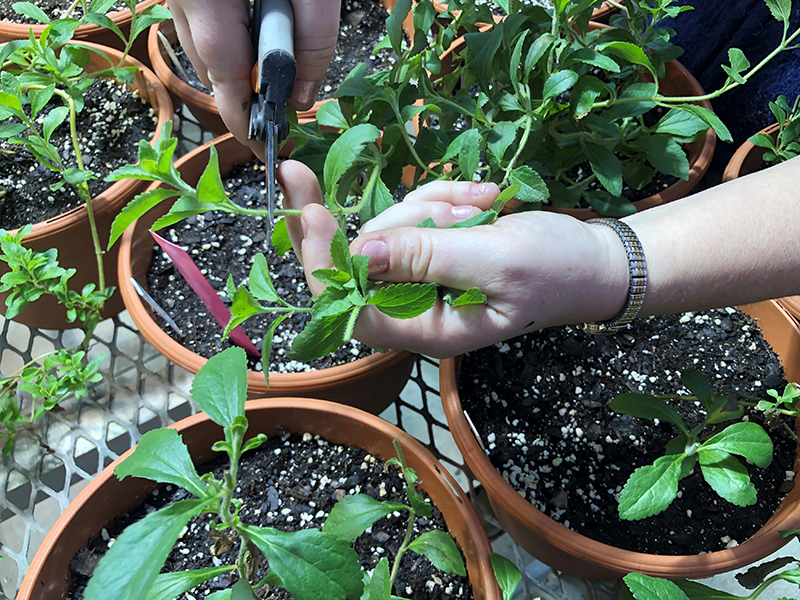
{"x":309,"y":563}
{"x":786,"y":144}
{"x":539,"y":100}
{"x":652,"y":488}
{"x":42,"y":84}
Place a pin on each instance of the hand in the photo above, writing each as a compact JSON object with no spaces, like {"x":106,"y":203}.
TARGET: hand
{"x":537,"y":269}
{"x":215,"y":37}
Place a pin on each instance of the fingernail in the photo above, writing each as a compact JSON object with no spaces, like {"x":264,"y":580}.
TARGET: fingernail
{"x":378,"y":252}
{"x":461,"y":213}
{"x":305,"y":92}
{"x":479,"y":189}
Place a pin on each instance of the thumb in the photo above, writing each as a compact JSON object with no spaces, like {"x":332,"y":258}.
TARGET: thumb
{"x":316,"y":27}
{"x":319,"y":226}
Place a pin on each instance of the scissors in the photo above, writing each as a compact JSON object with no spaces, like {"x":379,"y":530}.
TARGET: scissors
{"x":273,"y":82}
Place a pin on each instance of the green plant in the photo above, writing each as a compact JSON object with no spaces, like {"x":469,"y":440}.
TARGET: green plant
{"x":42,"y":84}
{"x":309,"y":563}
{"x":539,"y":100}
{"x":652,"y":488}
{"x":786,"y":144}
{"x":758,"y":578}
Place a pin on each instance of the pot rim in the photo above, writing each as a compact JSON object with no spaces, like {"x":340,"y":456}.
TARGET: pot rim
{"x":761,"y":544}
{"x":734,"y":166}
{"x":111,"y":199}
{"x":307,"y":382}
{"x":411,"y":447}
{"x":121,"y":18}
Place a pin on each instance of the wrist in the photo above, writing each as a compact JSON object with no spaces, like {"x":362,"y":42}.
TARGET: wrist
{"x":613,"y":275}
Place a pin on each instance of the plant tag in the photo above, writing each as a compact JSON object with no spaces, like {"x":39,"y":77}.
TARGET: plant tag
{"x":184,"y":263}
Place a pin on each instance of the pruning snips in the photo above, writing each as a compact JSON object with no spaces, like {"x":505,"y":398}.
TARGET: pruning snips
{"x":273,"y":81}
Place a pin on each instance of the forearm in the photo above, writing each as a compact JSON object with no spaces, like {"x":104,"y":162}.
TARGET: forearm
{"x":732,"y":244}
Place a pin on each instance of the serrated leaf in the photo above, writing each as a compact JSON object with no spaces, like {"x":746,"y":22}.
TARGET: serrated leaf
{"x":41,"y":98}
{"x":344,"y":153}
{"x":137,"y":208}
{"x":394,"y":24}
{"x":162,"y":456}
{"x":105,"y":22}
{"x":438,"y":547}
{"x":532,"y":187}
{"x":780,"y":9}
{"x":727,"y":476}
{"x":605,"y":165}
{"x":340,"y":253}
{"x":209,"y":187}
{"x":594,"y":58}
{"x":8,"y":130}
{"x":220,"y":386}
{"x":308,"y":561}
{"x":507,"y":574}
{"x":709,"y":117}
{"x":334,"y":301}
{"x":171,"y":585}
{"x":379,"y":586}
{"x":319,"y":338}
{"x":744,"y":439}
{"x":557,"y":83}
{"x":645,"y":587}
{"x":260,"y":281}
{"x":332,"y":277}
{"x":681,"y":123}
{"x":53,"y":119}
{"x":537,"y":49}
{"x":587,"y":89}
{"x":666,"y":155}
{"x":280,"y":237}
{"x":330,"y":115}
{"x":353,"y":515}
{"x":376,"y":202}
{"x":643,"y":406}
{"x":484,"y":47}
{"x":130,"y":567}
{"x":457,"y":298}
{"x":627,"y":51}
{"x":651,"y":489}
{"x":404,"y":300}
{"x":500,"y":138}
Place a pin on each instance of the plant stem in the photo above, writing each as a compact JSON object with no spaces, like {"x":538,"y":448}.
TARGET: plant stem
{"x":522,"y":143}
{"x":71,"y":8}
{"x":400,"y":551}
{"x":351,"y":323}
{"x":407,"y":138}
{"x":762,"y":587}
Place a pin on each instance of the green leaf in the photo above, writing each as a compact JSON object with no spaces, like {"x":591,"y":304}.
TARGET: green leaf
{"x":8,"y":130}
{"x":106,"y":23}
{"x":209,"y":187}
{"x":30,"y":10}
{"x":376,"y":202}
{"x":697,"y":383}
{"x":591,"y":57}
{"x":332,"y":277}
{"x":507,"y":574}
{"x":379,"y":586}
{"x":627,"y":51}
{"x":340,"y":253}
{"x":698,"y":591}
{"x":130,"y":567}
{"x":586,"y":91}
{"x":438,"y":547}
{"x":499,"y":139}
{"x":172,"y":585}
{"x":266,"y":345}
{"x":681,"y":123}
{"x":532,"y":187}
{"x":40,"y":99}
{"x":244,"y":306}
{"x":739,"y":61}
{"x":458,"y":298}
{"x":484,"y":46}
{"x":709,"y":117}
{"x":651,"y":489}
{"x":319,"y":338}
{"x":727,"y":476}
{"x":557,"y":83}
{"x":308,"y":561}
{"x":637,"y":173}
{"x":353,"y":515}
{"x":744,"y":439}
{"x":260,"y":281}
{"x":330,"y":115}
{"x":643,"y":406}
{"x":280,"y":237}
{"x":344,"y":153}
{"x":605,"y":166}
{"x":394,"y":24}
{"x":516,"y":62}
{"x":135,"y":209}
{"x":645,"y":587}
{"x":53,"y":119}
{"x":220,"y":386}
{"x":404,"y":300}
{"x":666,"y":155}
{"x":537,"y":49}
{"x":780,"y":9}
{"x":334,"y":301}
{"x":468,"y":147}
{"x":162,"y":456}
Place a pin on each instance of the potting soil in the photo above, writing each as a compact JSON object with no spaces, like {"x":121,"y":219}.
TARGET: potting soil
{"x":55,"y":9}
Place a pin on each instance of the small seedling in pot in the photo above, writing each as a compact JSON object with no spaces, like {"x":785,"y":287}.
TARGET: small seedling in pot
{"x":42,"y":85}
{"x":786,"y":144}
{"x":759,"y":579}
{"x":309,"y":563}
{"x":652,"y":488}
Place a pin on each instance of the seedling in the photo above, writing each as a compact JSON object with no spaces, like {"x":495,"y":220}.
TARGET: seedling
{"x":309,"y":563}
{"x":786,"y":144}
{"x":652,"y":488}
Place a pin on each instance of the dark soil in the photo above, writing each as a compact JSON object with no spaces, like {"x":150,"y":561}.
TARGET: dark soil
{"x":52,"y":8}
{"x":111,"y":123}
{"x":292,"y":483}
{"x":559,"y":445}
{"x":188,"y":67}
{"x":221,"y":244}
{"x":361,"y":27}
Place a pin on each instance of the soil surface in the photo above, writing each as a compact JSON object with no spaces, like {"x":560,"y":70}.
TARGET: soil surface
{"x":292,"y":483}
{"x":112,"y":122}
{"x":361,"y":27}
{"x":539,"y":403}
{"x":221,"y":244}
{"x":55,"y":9}
{"x":193,"y":80}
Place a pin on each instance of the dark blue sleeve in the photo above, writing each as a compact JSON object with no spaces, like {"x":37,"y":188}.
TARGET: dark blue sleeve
{"x":707,"y":32}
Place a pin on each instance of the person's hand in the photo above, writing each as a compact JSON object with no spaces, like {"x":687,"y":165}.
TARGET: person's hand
{"x":537,"y":269}
{"x":214,"y":36}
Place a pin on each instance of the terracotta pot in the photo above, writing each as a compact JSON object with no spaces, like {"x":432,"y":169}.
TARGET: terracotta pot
{"x":70,"y":232}
{"x":106,"y":497}
{"x":748,"y":159}
{"x":578,"y":555}
{"x":90,"y":32}
{"x":677,"y":82}
{"x":370,"y":383}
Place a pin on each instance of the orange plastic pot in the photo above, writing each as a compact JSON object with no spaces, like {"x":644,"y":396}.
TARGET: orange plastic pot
{"x":370,"y":383}
{"x":575,"y":554}
{"x":70,"y":232}
{"x":106,"y":497}
{"x":747,"y":159}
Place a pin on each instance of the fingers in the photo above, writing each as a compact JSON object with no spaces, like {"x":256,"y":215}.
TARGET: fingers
{"x":316,"y":27}
{"x":456,"y":192}
{"x":300,"y":188}
{"x":318,"y":228}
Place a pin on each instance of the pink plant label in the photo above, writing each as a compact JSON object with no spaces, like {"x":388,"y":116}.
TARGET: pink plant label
{"x":184,"y":263}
